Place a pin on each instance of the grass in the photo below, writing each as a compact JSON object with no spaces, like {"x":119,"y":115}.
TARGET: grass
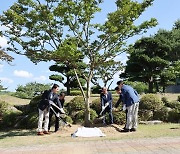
{"x":14,"y":100}
{"x":18,"y":138}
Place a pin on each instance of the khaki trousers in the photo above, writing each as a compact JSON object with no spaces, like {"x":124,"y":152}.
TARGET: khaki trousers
{"x":43,"y":114}
{"x":132,"y":116}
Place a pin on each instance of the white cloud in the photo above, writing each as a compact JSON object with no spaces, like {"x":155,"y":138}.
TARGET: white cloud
{"x":23,"y":74}
{"x":3,"y":42}
{"x":40,"y":78}
{"x":6,"y":80}
{"x":123,"y":58}
{"x":1,"y":67}
{"x":86,"y":60}
{"x":3,"y":28}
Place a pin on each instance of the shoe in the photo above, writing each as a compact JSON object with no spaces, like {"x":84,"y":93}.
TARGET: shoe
{"x":132,"y":129}
{"x":125,"y":130}
{"x":104,"y":125}
{"x":56,"y":130}
{"x":40,"y":133}
{"x":46,"y":132}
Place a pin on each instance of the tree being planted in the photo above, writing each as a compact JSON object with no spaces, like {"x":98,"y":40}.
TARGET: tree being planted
{"x":65,"y":31}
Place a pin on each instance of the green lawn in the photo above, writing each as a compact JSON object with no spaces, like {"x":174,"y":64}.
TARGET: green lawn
{"x":17,"y":138}
{"x":14,"y":100}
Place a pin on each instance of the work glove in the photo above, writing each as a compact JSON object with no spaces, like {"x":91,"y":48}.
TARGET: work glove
{"x":103,"y":107}
{"x":62,"y":111}
{"x":124,"y":107}
{"x":58,"y":114}
{"x":114,"y":109}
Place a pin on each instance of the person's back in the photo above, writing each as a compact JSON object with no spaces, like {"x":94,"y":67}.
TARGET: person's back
{"x":130,"y":93}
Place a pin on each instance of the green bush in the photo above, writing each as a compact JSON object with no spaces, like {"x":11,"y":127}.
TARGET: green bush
{"x":150,"y":102}
{"x":96,"y":90}
{"x":119,"y":117}
{"x":174,"y":116}
{"x":173,"y":104}
{"x":162,"y":114}
{"x":76,"y":93}
{"x":140,"y":87}
{"x":32,"y":120}
{"x":30,"y":89}
{"x":10,"y":118}
{"x":75,"y":104}
{"x":21,"y":94}
{"x":68,"y":119}
{"x":80,"y":116}
{"x":165,"y":100}
{"x":96,"y":104}
{"x":3,"y":108}
{"x":178,"y":99}
{"x":33,"y":105}
{"x":145,"y":115}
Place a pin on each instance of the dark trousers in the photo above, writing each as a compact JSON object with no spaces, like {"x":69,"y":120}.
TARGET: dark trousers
{"x":110,"y":116}
{"x":126,"y":111}
{"x":56,"y":121}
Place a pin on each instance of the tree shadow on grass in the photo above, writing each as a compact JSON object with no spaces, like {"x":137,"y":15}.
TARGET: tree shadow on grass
{"x":117,"y":128}
{"x":13,"y":133}
{"x":175,"y":128}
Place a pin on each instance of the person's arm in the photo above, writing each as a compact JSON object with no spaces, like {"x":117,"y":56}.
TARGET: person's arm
{"x":110,"y":100}
{"x":62,"y":102}
{"x":102,"y":101}
{"x":58,"y":102}
{"x":119,"y":101}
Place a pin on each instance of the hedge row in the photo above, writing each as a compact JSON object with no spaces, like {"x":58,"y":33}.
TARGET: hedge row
{"x":151,"y":108}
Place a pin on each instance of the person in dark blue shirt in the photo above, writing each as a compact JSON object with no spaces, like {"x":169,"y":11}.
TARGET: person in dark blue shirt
{"x":106,"y":104}
{"x":48,"y":97}
{"x":130,"y":99}
{"x":61,"y":99}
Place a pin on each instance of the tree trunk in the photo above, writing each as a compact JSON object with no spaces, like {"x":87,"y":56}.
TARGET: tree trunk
{"x":68,"y":86}
{"x":87,"y":107}
{"x":151,"y":85}
{"x":157,"y":86}
{"x":82,"y":91}
{"x":87,"y":119}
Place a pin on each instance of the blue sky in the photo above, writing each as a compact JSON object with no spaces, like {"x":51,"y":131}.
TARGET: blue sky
{"x":23,"y":71}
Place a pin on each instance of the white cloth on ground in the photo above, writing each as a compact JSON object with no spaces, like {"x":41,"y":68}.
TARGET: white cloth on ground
{"x":88,"y":132}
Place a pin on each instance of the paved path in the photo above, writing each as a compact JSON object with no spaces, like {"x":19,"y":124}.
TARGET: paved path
{"x":166,"y":145}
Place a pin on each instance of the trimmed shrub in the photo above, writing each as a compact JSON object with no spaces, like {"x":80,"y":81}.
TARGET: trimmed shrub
{"x":10,"y":118}
{"x":162,"y":114}
{"x":165,"y":100}
{"x":178,"y":99}
{"x":174,"y":116}
{"x":76,"y":93}
{"x":75,"y":104}
{"x":173,"y":104}
{"x":150,"y":102}
{"x":145,"y":115}
{"x":80,"y":116}
{"x":96,"y":104}
{"x":96,"y":90}
{"x":68,"y":119}
{"x":140,"y":87}
{"x":119,"y":117}
{"x":3,"y":108}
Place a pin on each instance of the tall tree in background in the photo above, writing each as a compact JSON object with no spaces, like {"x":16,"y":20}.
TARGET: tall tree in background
{"x":155,"y":59}
{"x":146,"y":61}
{"x":44,"y":30}
{"x":106,"y":72}
{"x":4,"y":57}
{"x":31,"y":89}
{"x":66,"y":76}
